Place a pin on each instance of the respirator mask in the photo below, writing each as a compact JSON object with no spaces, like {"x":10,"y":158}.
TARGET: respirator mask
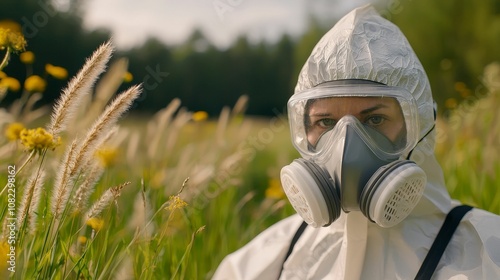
{"x":353,"y":136}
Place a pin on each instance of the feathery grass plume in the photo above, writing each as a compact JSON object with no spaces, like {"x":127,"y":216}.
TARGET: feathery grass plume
{"x":142,"y":213}
{"x":105,"y":88}
{"x":104,"y":201}
{"x":126,"y":269}
{"x":111,"y":133}
{"x":240,"y":106}
{"x":180,"y":120}
{"x":102,"y":125}
{"x":132,"y":146}
{"x":79,"y":156}
{"x":87,"y":187}
{"x":64,"y":177}
{"x":222,"y":126}
{"x":79,"y":86}
{"x":29,"y":113}
{"x":30,"y":200}
{"x":157,"y":127}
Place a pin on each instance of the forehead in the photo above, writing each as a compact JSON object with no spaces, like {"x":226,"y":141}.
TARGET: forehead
{"x":351,"y":105}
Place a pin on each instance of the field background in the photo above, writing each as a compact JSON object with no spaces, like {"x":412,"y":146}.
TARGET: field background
{"x":191,"y":172}
{"x":233,"y":192}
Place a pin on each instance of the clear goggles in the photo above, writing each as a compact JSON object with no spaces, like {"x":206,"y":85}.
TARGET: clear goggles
{"x":382,"y":114}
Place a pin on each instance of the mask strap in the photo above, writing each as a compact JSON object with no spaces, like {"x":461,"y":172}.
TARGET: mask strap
{"x":428,"y":132}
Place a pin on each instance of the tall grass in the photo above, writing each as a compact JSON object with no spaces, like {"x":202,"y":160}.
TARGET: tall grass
{"x":162,"y":197}
{"x":168,"y":196}
{"x":468,"y":145}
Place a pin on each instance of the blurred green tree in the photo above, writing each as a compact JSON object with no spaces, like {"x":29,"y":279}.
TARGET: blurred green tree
{"x":454,"y":40}
{"x":55,"y":34}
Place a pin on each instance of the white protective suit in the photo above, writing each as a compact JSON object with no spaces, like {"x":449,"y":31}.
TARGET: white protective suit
{"x":363,"y":45}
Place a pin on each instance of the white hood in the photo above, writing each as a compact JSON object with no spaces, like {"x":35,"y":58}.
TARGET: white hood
{"x":363,"y":45}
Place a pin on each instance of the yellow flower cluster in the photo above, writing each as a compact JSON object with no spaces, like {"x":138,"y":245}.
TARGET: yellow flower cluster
{"x":9,"y":83}
{"x":274,"y":190}
{"x":95,"y":223}
{"x":128,"y":77}
{"x":200,"y":116}
{"x":11,"y":39}
{"x":10,"y":24}
{"x":35,"y":83}
{"x":4,"y":250}
{"x":38,"y":139}
{"x":56,"y":71}
{"x":107,"y":156}
{"x":13,"y":131}
{"x":82,"y":239}
{"x":27,"y":57}
{"x":175,"y":202}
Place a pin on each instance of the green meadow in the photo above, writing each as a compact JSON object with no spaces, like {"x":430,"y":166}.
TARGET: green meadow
{"x":99,"y":193}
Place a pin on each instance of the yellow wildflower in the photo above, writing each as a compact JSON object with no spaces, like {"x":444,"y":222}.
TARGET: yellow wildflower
{"x":11,"y":39}
{"x":175,"y":202}
{"x":10,"y":83}
{"x":35,"y":83}
{"x":4,"y":250}
{"x":451,"y":103}
{"x":82,"y":239}
{"x":13,"y":131}
{"x":10,"y":24}
{"x":56,"y":71}
{"x":200,"y":116}
{"x":27,"y":57}
{"x":128,"y":77}
{"x":274,"y":190}
{"x":38,"y":139}
{"x":95,"y":223}
{"x":2,"y":75}
{"x":460,"y":86}
{"x":107,"y":156}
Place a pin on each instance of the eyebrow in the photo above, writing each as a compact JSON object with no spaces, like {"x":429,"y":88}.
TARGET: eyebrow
{"x":374,"y":108}
{"x":320,"y":114}
{"x":363,"y":112}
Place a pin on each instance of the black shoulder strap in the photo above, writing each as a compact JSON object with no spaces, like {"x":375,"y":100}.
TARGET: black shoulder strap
{"x":443,"y":238}
{"x":298,"y":233}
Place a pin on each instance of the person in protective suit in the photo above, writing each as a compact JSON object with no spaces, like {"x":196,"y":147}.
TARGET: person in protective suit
{"x":368,"y":185}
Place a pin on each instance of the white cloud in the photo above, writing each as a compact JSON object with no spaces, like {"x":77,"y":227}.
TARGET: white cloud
{"x":172,"y":21}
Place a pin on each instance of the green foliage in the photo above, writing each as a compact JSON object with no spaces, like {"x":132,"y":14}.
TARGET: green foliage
{"x":454,"y":40}
{"x":55,"y":36}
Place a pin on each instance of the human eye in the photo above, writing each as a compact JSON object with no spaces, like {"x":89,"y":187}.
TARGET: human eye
{"x":375,"y":120}
{"x":326,"y":123}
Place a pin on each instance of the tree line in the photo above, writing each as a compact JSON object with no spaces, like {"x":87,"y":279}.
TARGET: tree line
{"x":455,"y":40}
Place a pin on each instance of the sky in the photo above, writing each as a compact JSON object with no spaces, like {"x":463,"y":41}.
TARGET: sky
{"x":172,"y":21}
